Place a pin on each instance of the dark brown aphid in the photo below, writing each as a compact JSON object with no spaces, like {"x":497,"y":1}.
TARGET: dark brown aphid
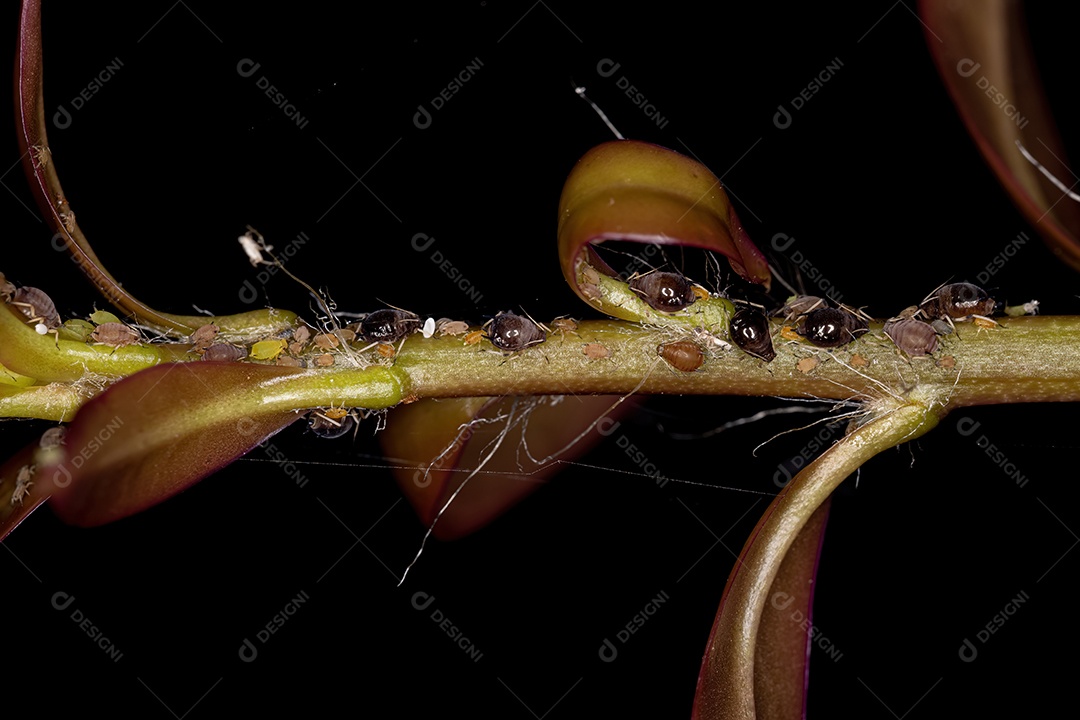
{"x":914,"y":337}
{"x":750,"y":331}
{"x":831,"y":327}
{"x":37,"y":306}
{"x":664,"y":291}
{"x":957,"y":301}
{"x":389,"y":325}
{"x":224,"y":352}
{"x":510,"y":332}
{"x":682,"y":355}
{"x":114,"y":334}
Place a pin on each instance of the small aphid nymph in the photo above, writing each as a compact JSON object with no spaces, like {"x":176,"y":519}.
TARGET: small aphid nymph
{"x":511,"y":333}
{"x":664,"y":291}
{"x":224,"y":352}
{"x":750,"y":331}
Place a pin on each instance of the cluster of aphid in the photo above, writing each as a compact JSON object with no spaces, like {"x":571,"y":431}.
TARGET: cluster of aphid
{"x":103,"y":328}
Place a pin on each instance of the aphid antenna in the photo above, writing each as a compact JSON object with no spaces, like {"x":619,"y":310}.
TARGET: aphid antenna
{"x":1049,"y":175}
{"x":580,"y":90}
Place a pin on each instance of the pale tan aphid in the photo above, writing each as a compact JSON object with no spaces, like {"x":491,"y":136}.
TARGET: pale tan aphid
{"x":325,"y":360}
{"x":596,"y":351}
{"x":564,"y":325}
{"x":326,"y":341}
{"x":23,"y":482}
{"x":446,"y":326}
{"x":224,"y":352}
{"x":53,"y":437}
{"x":302,"y":334}
{"x":807,"y":364}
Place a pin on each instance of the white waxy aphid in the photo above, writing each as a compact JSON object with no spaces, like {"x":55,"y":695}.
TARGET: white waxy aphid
{"x":429,"y":328}
{"x":253,"y":249}
{"x":23,"y":483}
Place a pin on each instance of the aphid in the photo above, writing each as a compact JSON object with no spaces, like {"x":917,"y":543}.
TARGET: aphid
{"x":708,"y":340}
{"x":788,"y":333}
{"x":563,"y":325}
{"x":224,"y":352}
{"x":23,"y":482}
{"x":100,"y":317}
{"x":957,"y":301}
{"x":1028,"y":308}
{"x":203,"y":337}
{"x":797,"y":305}
{"x":253,"y":248}
{"x":75,"y":329}
{"x":511,"y":333}
{"x":386,"y":350}
{"x":388,"y":325}
{"x":700,"y":292}
{"x":596,"y":351}
{"x":914,"y":337}
{"x":947,"y":362}
{"x":325,"y":360}
{"x":41,"y":155}
{"x":287,"y":361}
{"x":664,"y":291}
{"x":268,"y":349}
{"x":114,"y":334}
{"x":53,"y":437}
{"x":326,"y":341}
{"x":301,"y":335}
{"x":858,"y":360}
{"x":983,"y":322}
{"x":473,"y":337}
{"x":807,"y":364}
{"x":682,"y":355}
{"x":446,"y":326}
{"x":831,"y":327}
{"x":37,"y":306}
{"x":750,"y":331}
{"x":7,"y":289}
{"x":332,"y":423}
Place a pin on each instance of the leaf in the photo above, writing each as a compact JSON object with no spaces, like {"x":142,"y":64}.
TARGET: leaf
{"x":156,"y":433}
{"x":40,"y":167}
{"x":436,"y":443}
{"x":980,"y":45}
{"x":630,"y":190}
{"x":747,"y":658}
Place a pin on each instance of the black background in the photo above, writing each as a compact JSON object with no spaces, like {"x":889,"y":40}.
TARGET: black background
{"x":875,"y":178}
